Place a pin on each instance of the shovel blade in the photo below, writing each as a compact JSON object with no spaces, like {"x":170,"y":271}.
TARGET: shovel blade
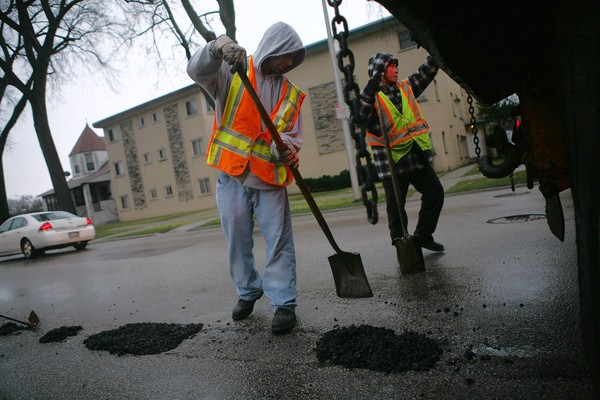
{"x":349,"y":275}
{"x":33,"y":319}
{"x":410,"y":255}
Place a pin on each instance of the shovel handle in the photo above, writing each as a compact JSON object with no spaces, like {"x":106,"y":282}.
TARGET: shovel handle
{"x":388,"y":153}
{"x":16,"y":320}
{"x":281,"y":146}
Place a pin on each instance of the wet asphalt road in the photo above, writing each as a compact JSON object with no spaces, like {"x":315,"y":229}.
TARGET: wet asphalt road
{"x":502,"y":301}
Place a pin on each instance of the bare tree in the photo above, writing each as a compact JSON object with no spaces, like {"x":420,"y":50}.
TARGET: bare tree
{"x":8,"y":119}
{"x":25,"y":204}
{"x":159,"y":20}
{"x":42,"y":40}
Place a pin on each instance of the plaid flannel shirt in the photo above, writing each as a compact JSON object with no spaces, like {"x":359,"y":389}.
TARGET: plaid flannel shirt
{"x":416,"y":158}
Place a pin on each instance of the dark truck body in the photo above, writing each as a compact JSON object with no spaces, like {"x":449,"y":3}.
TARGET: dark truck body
{"x":547,"y":52}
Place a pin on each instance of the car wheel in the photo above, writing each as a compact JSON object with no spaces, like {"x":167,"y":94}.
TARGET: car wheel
{"x":80,"y":245}
{"x":27,"y":249}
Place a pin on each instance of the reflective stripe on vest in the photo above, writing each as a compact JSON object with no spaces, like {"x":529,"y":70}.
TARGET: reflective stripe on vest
{"x":239,"y":138}
{"x":401,"y":127}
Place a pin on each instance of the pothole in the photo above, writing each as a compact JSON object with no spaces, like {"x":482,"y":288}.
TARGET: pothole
{"x":377,"y":349}
{"x":513,"y":219}
{"x":10,"y":327}
{"x":60,"y":334}
{"x":142,"y":338}
{"x":512,"y":194}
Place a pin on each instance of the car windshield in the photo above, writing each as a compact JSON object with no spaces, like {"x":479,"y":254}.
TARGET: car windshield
{"x":52,"y":215}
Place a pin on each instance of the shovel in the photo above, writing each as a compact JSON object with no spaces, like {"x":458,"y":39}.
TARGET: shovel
{"x":31,"y":322}
{"x":408,"y":252}
{"x":348,"y":271}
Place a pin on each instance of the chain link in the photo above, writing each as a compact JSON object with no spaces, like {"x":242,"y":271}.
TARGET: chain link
{"x":474,"y":127}
{"x":346,"y":64}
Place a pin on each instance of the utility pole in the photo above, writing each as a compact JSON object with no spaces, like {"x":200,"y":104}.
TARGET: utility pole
{"x":341,"y":112}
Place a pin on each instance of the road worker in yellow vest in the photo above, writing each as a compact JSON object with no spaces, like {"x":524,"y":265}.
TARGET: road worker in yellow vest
{"x":408,"y":133}
{"x":253,"y":173}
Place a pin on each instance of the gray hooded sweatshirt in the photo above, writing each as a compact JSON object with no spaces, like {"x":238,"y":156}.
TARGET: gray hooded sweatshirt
{"x":215,"y":77}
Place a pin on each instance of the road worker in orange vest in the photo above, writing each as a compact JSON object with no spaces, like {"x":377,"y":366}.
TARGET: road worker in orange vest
{"x":253,"y":173}
{"x":408,"y":132}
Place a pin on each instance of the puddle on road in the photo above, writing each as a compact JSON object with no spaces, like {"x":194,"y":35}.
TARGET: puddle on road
{"x":517,"y":219}
{"x":520,"y":352}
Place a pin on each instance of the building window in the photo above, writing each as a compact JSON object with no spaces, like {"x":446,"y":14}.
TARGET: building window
{"x":124,"y":202}
{"x":459,"y":108}
{"x":191,"y":107}
{"x":405,"y":40}
{"x":89,"y":162}
{"x":112,"y":135}
{"x":460,"y":154}
{"x":155,"y":117}
{"x":209,"y":108}
{"x":204,"y":184}
{"x":153,"y":194}
{"x":456,"y":106}
{"x":147,"y":159}
{"x":78,"y":196}
{"x":168,"y":191}
{"x":435,"y":87}
{"x":444,"y":142}
{"x":162,"y":154}
{"x":198,"y":147}
{"x":141,"y":122}
{"x":77,"y":169}
{"x":118,"y":168}
{"x":51,"y":202}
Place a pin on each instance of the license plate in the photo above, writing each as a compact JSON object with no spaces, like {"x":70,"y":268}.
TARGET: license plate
{"x":73,"y":234}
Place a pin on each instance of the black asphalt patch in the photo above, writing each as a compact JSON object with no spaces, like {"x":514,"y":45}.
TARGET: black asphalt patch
{"x":377,"y":349}
{"x":60,"y":334}
{"x":142,"y":338}
{"x":10,"y":327}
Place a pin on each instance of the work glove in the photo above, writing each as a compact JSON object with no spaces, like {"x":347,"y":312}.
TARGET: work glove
{"x":370,"y":91}
{"x":289,"y":157}
{"x":232,"y":53}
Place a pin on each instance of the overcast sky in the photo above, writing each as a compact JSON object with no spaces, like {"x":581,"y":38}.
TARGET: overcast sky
{"x":88,"y":100}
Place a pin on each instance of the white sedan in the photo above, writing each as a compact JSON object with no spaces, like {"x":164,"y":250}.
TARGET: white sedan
{"x":34,"y":233}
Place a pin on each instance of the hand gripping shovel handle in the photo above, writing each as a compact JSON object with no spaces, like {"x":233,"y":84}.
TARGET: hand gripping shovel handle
{"x":281,"y":146}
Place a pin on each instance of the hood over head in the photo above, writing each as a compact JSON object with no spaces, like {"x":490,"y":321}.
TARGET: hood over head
{"x":379,"y":62}
{"x":280,"y":39}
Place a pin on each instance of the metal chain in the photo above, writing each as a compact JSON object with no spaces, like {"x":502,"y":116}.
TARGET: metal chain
{"x":476,"y":139}
{"x":474,"y":127}
{"x":352,"y":99}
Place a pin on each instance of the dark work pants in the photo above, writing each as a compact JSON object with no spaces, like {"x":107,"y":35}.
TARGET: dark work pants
{"x":426,"y":182}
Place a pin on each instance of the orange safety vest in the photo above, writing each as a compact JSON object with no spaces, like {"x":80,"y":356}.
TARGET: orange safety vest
{"x":239,"y":139}
{"x":401,"y":127}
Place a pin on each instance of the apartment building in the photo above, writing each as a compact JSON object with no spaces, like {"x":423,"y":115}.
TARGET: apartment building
{"x":157,"y":149}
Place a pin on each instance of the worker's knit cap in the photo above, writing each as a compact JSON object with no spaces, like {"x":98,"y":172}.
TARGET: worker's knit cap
{"x":379,"y":62}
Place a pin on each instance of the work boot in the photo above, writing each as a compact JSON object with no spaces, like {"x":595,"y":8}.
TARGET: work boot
{"x":283,"y":320}
{"x":243,"y":308}
{"x":428,"y":243}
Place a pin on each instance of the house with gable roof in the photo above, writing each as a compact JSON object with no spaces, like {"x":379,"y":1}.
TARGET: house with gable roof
{"x":90,"y":185}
